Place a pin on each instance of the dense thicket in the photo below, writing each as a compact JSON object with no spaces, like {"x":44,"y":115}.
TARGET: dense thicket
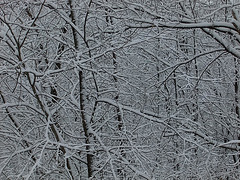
{"x":119,"y":89}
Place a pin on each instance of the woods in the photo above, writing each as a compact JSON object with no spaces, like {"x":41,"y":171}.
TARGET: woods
{"x":119,"y":89}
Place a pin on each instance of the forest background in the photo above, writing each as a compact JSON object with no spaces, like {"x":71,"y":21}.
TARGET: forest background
{"x":119,"y":89}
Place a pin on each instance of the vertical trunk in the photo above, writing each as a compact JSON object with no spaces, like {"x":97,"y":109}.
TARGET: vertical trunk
{"x":119,"y":119}
{"x":120,"y":170}
{"x":236,"y":99}
{"x":81,"y":101}
{"x":195,"y":105}
{"x":85,"y":126}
